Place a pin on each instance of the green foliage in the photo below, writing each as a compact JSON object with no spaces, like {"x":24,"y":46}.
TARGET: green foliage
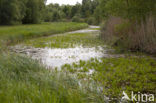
{"x":91,"y":21}
{"x":86,"y":8}
{"x":77,"y":19}
{"x":54,"y":12}
{"x":34,"y":11}
{"x":138,"y":32}
{"x":76,"y":10}
{"x":11,"y":12}
{"x":76,"y":13}
{"x":20,"y":11}
{"x":67,"y":10}
{"x":131,"y":9}
{"x":66,"y":41}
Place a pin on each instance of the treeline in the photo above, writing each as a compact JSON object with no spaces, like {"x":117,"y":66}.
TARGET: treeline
{"x":21,"y":11}
{"x":129,"y":24}
{"x":84,"y":12}
{"x":35,"y":11}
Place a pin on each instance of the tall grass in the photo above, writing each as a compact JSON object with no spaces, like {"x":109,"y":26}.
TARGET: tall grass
{"x":133,"y":36}
{"x":14,"y":34}
{"x":23,"y":80}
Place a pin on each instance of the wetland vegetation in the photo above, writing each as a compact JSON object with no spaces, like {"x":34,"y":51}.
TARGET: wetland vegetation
{"x":51,"y":54}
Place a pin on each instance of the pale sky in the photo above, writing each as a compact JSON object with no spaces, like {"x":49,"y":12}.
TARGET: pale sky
{"x":70,"y":2}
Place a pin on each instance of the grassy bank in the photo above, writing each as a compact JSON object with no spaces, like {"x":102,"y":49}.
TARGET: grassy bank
{"x":15,"y":34}
{"x":23,"y":80}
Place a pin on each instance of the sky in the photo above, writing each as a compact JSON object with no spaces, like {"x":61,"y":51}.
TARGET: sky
{"x":70,"y":2}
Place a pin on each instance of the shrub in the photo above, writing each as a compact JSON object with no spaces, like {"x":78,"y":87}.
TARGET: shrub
{"x":65,"y":20}
{"x":108,"y":29}
{"x":77,"y":19}
{"x":90,"y":20}
{"x":133,"y":36}
{"x":140,"y":36}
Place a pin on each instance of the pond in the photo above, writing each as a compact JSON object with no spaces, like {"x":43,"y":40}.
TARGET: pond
{"x":56,"y":57}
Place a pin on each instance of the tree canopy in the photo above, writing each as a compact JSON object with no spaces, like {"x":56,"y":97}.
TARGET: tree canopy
{"x":131,"y":9}
{"x":21,"y":11}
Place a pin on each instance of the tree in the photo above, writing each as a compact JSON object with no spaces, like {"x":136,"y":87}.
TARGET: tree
{"x":86,"y":8}
{"x":79,"y":12}
{"x":34,"y":11}
{"x":21,"y":11}
{"x":76,"y":10}
{"x":67,"y":10}
{"x":131,"y":9}
{"x":11,"y":11}
{"x":54,"y":12}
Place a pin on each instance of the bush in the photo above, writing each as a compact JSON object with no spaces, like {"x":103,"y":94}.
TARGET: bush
{"x":65,"y":20}
{"x":91,"y":21}
{"x":134,"y":36}
{"x":77,"y":19}
{"x":108,"y":30}
{"x":140,"y":36}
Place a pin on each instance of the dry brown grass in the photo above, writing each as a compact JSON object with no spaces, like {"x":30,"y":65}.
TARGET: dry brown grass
{"x":143,"y":36}
{"x":134,"y":36}
{"x":108,"y":29}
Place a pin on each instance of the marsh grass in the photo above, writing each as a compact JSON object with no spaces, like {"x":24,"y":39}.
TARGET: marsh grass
{"x":116,"y":75}
{"x":23,"y":80}
{"x":15,"y":34}
{"x":66,"y":41}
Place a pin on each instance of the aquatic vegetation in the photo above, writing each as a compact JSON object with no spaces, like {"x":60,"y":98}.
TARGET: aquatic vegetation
{"x":66,"y":41}
{"x":116,"y":75}
{"x":84,"y":81}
